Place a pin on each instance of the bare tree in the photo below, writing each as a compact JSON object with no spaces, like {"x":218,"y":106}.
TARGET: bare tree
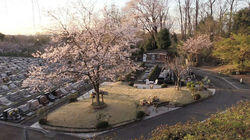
{"x":188,"y":14}
{"x":179,"y":68}
{"x":231,"y":5}
{"x":211,"y":5}
{"x":181,"y":20}
{"x":222,"y":14}
{"x":151,"y":15}
{"x":196,"y":13}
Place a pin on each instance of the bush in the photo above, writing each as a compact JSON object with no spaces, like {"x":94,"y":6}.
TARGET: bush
{"x":197,"y":96}
{"x":154,"y":73}
{"x":164,"y":86}
{"x":42,"y":111}
{"x":102,"y":125}
{"x":140,"y":114}
{"x":71,"y":100}
{"x":43,"y":121}
{"x":190,"y":84}
{"x":73,"y":97}
{"x":131,"y":83}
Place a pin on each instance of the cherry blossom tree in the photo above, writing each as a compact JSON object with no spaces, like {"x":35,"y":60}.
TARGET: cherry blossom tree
{"x":89,"y":46}
{"x":195,"y":45}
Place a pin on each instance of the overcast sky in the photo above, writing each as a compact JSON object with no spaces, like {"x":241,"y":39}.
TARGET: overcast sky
{"x":20,"y":17}
{"x":29,"y":16}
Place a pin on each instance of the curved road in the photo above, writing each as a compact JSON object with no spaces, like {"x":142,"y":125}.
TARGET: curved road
{"x":228,"y":93}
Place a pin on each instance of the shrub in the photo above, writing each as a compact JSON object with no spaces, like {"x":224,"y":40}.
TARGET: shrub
{"x":71,"y":100}
{"x":102,"y":125}
{"x":128,"y":77}
{"x":43,"y":121}
{"x":232,"y":124}
{"x":73,"y":97}
{"x":132,"y":76}
{"x":131,"y":83}
{"x":140,"y":114}
{"x":190,"y":84}
{"x":154,"y":73}
{"x":42,"y":111}
{"x":197,"y":96}
{"x":164,"y":86}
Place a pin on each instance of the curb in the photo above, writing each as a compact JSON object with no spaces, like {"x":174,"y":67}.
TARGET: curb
{"x":115,"y":126}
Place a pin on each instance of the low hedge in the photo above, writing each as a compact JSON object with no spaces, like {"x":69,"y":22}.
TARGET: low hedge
{"x":131,"y":83}
{"x":73,"y":97}
{"x":197,"y":97}
{"x":43,"y":121}
{"x":102,"y":125}
{"x":154,"y":73}
{"x":164,"y":86}
{"x":135,"y":74}
{"x":140,"y":115}
{"x":231,"y":125}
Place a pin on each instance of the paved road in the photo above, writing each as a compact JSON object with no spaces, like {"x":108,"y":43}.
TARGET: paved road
{"x":226,"y":96}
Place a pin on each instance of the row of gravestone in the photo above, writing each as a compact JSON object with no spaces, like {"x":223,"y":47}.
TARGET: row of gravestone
{"x":17,"y":114}
{"x":13,"y":71}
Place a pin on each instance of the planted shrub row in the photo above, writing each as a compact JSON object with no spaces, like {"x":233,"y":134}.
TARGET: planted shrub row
{"x":134,"y":74}
{"x":154,"y":73}
{"x":140,"y":114}
{"x":102,"y":125}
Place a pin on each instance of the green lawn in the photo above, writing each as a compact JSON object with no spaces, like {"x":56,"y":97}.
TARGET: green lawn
{"x":121,"y":101}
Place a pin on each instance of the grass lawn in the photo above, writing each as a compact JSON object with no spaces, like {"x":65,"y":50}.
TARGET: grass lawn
{"x":122,"y":105}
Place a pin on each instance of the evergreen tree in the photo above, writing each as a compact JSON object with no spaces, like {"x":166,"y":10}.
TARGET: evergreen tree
{"x":242,"y":21}
{"x":149,"y":44}
{"x":163,"y":39}
{"x":2,"y":36}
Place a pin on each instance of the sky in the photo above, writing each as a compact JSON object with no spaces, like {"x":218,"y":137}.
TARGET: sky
{"x":29,"y":16}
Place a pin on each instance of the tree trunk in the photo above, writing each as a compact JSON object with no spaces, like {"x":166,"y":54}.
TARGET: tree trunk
{"x":178,"y":83}
{"x":196,"y":59}
{"x":196,"y":14}
{"x":98,"y":98}
{"x":102,"y":98}
{"x":230,"y":17}
{"x":97,"y":94}
{"x":181,"y":17}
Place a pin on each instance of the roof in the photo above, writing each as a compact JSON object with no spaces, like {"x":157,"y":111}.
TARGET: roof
{"x":157,"y":51}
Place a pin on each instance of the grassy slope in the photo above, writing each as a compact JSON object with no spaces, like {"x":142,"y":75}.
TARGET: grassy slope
{"x":121,"y":102}
{"x":231,"y":125}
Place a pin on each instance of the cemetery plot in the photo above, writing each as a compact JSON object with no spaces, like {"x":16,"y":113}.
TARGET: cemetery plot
{"x":17,"y":102}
